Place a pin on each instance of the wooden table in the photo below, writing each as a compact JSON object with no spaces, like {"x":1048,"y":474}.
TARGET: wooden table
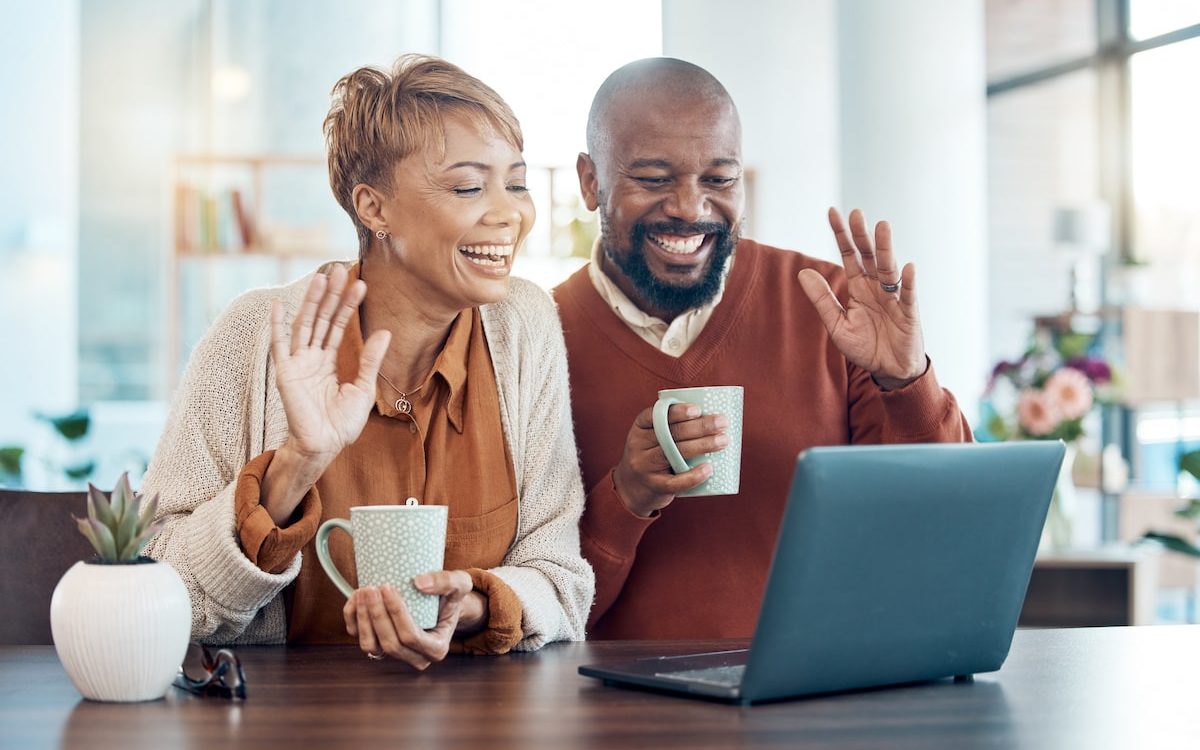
{"x":1090,"y":688}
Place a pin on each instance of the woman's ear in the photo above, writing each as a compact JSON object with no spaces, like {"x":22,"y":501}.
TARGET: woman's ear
{"x":368,"y":204}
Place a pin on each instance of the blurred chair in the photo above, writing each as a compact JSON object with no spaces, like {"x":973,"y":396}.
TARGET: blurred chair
{"x":39,"y":541}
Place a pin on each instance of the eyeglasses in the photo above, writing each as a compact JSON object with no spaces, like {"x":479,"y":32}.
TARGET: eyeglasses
{"x":204,"y":672}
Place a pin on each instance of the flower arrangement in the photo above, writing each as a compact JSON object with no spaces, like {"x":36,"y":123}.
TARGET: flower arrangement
{"x":1046,"y":394}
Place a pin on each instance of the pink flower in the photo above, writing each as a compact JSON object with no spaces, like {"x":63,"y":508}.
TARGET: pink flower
{"x":1070,"y":391}
{"x":1036,"y":413}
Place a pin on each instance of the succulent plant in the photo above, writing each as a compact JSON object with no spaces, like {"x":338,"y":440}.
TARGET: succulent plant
{"x":119,"y":523}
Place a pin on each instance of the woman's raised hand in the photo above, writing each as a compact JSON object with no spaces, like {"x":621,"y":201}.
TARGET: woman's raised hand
{"x":323,"y":415}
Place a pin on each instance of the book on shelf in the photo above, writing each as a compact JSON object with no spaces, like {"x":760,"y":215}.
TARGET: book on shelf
{"x":245,"y":224}
{"x":213,"y":221}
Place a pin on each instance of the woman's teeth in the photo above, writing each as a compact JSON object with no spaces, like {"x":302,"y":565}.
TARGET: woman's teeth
{"x":678,"y":245}
{"x":491,"y":256}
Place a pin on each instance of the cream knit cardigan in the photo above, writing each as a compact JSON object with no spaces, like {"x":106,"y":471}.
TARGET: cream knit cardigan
{"x":228,"y":410}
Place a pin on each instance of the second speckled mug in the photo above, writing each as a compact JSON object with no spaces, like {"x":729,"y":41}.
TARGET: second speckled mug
{"x":392,"y":543}
{"x":726,"y":463}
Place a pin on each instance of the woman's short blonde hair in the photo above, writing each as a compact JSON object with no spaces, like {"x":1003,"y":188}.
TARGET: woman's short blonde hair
{"x":378,"y":118}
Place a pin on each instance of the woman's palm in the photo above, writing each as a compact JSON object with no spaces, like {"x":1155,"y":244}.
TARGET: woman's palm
{"x":324,"y":415}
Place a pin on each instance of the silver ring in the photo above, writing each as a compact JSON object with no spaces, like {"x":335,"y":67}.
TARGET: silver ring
{"x":890,"y":288}
{"x":376,"y":657}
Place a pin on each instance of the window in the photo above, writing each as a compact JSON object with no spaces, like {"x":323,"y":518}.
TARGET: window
{"x":1090,"y":100}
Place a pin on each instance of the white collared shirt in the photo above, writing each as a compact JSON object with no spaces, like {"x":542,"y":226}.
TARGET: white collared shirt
{"x":672,"y":339}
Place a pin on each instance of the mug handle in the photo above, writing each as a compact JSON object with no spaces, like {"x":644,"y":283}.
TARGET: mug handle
{"x":662,"y":431}
{"x":323,"y":553}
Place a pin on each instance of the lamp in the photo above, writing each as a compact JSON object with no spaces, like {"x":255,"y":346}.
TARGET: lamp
{"x":1083,"y":232}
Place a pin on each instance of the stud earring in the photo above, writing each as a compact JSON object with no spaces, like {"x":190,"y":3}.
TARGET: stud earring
{"x":380,"y":234}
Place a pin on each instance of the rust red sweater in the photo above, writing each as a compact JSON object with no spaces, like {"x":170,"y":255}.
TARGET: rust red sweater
{"x":698,"y":568}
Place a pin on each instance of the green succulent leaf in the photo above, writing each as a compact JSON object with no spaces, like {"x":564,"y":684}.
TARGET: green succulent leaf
{"x":127,"y":530}
{"x":119,"y":523}
{"x":119,"y":498}
{"x":148,"y":512}
{"x":134,"y":547}
{"x":99,"y":509}
{"x":100,"y":537}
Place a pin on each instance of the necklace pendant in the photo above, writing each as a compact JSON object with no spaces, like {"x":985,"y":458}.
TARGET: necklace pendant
{"x":403,"y":405}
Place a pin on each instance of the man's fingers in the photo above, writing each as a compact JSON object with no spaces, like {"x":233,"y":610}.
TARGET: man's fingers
{"x":850,"y":259}
{"x":676,"y":413}
{"x":708,"y":425}
{"x":828,"y":307}
{"x":908,"y":289}
{"x":885,"y":258}
{"x":673,"y":484}
{"x":863,"y":242}
{"x":689,"y":449}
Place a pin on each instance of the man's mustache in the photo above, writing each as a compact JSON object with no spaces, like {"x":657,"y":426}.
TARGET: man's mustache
{"x":682,"y":228}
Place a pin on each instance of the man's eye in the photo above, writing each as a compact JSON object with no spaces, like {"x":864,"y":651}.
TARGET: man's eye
{"x":721,"y":181}
{"x":467,"y":190}
{"x":518,"y":188}
{"x":653,"y":180}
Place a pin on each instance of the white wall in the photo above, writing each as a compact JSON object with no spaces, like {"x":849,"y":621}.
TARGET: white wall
{"x":778,"y":59}
{"x":39,"y":188}
{"x":865,"y":103}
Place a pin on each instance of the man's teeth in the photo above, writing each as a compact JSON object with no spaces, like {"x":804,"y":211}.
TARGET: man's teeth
{"x":680,"y":245}
{"x":493,"y":256}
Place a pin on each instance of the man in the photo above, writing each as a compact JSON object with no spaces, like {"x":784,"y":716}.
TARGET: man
{"x":674,"y":298}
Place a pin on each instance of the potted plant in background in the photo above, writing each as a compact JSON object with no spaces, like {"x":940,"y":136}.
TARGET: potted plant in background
{"x":1190,"y":463}
{"x":120,"y":621}
{"x":1046,"y":394}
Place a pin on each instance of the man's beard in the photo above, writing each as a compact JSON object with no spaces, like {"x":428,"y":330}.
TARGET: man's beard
{"x":672,"y":299}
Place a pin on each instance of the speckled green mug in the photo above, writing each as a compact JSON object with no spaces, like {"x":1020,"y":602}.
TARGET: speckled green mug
{"x":726,"y":463}
{"x":392,"y":543}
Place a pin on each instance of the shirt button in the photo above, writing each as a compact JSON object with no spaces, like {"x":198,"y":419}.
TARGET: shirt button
{"x":673,"y":343}
{"x":412,"y":427}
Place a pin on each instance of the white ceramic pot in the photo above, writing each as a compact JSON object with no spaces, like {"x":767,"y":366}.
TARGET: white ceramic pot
{"x":121,"y":631}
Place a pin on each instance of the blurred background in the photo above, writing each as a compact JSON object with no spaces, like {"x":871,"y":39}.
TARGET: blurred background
{"x":1037,"y":160}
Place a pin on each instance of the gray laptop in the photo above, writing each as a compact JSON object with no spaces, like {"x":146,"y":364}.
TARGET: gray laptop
{"x":894,"y":564}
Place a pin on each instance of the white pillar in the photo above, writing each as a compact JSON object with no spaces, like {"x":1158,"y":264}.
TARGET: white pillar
{"x":913,"y":129}
{"x":39,"y":215}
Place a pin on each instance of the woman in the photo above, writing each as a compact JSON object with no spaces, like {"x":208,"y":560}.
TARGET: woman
{"x":446,"y":382}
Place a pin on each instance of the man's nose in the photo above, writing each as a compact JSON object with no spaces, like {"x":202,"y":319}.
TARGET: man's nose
{"x":687,"y":202}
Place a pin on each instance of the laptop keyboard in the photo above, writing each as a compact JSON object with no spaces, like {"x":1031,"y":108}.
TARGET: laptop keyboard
{"x":730,"y":676}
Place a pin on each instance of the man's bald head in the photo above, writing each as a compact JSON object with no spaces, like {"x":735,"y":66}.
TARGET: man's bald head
{"x":652,"y":82}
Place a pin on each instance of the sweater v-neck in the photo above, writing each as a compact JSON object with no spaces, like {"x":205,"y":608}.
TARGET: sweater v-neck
{"x":685,"y":368}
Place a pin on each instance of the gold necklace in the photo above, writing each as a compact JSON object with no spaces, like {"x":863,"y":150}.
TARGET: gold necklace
{"x":403,"y":405}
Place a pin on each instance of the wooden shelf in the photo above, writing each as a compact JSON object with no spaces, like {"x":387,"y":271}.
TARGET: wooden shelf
{"x":219,"y":217}
{"x":1092,"y":588}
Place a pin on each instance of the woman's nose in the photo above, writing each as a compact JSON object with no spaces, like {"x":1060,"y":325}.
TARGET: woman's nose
{"x":504,"y":211}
